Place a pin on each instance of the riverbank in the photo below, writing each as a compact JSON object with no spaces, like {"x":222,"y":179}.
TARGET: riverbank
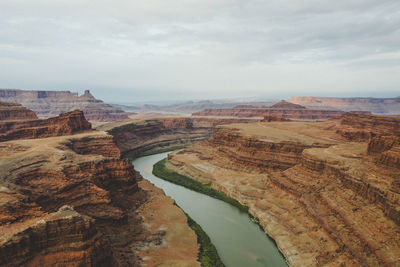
{"x":208,"y":255}
{"x":159,"y":151}
{"x":161,"y":171}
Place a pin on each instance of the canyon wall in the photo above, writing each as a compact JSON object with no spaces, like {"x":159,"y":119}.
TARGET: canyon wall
{"x":53,"y":103}
{"x":70,"y":200}
{"x":64,"y":124}
{"x":362,"y":127}
{"x":139,"y":136}
{"x":39,"y":177}
{"x":389,"y":106}
{"x":326,"y":201}
{"x":282,"y":109}
{"x":13,"y":111}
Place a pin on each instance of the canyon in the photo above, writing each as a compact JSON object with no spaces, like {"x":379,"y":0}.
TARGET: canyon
{"x":67,"y":198}
{"x":387,"y":106}
{"x":48,"y":104}
{"x":327,"y":192}
{"x":135,"y":137}
{"x":281,"y":109}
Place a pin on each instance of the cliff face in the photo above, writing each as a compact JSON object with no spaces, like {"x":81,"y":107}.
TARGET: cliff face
{"x":389,"y":106}
{"x":363,"y":127}
{"x":65,"y":124}
{"x":136,"y":137}
{"x":386,"y":150}
{"x":70,"y":200}
{"x":325,"y":200}
{"x":360,"y":127}
{"x":13,"y":111}
{"x":282,"y":109}
{"x":381,"y":133}
{"x":253,"y":154}
{"x":39,"y":177}
{"x":53,"y":103}
{"x":61,"y":238}
{"x":377,"y":125}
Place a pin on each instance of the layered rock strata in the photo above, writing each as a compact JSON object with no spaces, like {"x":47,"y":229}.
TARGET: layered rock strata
{"x":13,"y":111}
{"x":53,"y":103}
{"x":139,"y":136}
{"x":325,"y":200}
{"x":362,"y":127}
{"x":71,"y":201}
{"x":64,"y":124}
{"x":388,"y":106}
{"x":282,"y":109}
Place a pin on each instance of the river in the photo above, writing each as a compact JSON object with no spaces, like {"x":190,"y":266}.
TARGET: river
{"x":239,"y":241}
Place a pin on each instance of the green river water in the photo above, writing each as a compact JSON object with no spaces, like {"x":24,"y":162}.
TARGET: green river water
{"x":239,"y":241}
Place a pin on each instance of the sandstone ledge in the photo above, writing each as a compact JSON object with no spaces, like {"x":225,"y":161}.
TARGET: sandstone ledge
{"x":113,"y":218}
{"x":322,"y":198}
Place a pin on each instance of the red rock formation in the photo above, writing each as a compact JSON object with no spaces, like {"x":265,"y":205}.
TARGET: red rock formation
{"x":286,"y":105}
{"x":269,"y":118}
{"x":65,"y":124}
{"x":62,"y":238}
{"x":106,"y":223}
{"x":136,"y":137}
{"x":362,"y":127}
{"x":378,"y":125}
{"x":391,"y":158}
{"x":324,"y":200}
{"x":282,"y":109}
{"x":92,"y":145}
{"x":253,"y":154}
{"x":53,"y":103}
{"x":380,"y":144}
{"x":386,"y":150}
{"x":12,"y":111}
{"x":389,"y":106}
{"x":44,"y":176}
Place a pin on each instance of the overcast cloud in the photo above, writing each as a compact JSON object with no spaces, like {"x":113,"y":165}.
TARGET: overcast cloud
{"x":126,"y":50}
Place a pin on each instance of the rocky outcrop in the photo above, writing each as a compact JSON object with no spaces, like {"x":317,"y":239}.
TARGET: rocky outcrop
{"x":93,"y":145}
{"x":53,"y":103}
{"x":137,"y":137}
{"x":386,"y":149}
{"x":381,"y":144}
{"x":61,"y":238}
{"x":377,"y":125}
{"x":13,"y":111}
{"x":65,"y":124}
{"x":326,"y":201}
{"x":111,"y":217}
{"x":253,"y":154}
{"x":388,"y":106}
{"x":382,"y":134}
{"x":286,"y":105}
{"x":43,"y":175}
{"x":269,"y":118}
{"x":391,"y":158}
{"x":362,"y":127}
{"x":282,"y":109}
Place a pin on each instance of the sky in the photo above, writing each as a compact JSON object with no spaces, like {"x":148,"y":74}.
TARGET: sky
{"x":127,"y":50}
